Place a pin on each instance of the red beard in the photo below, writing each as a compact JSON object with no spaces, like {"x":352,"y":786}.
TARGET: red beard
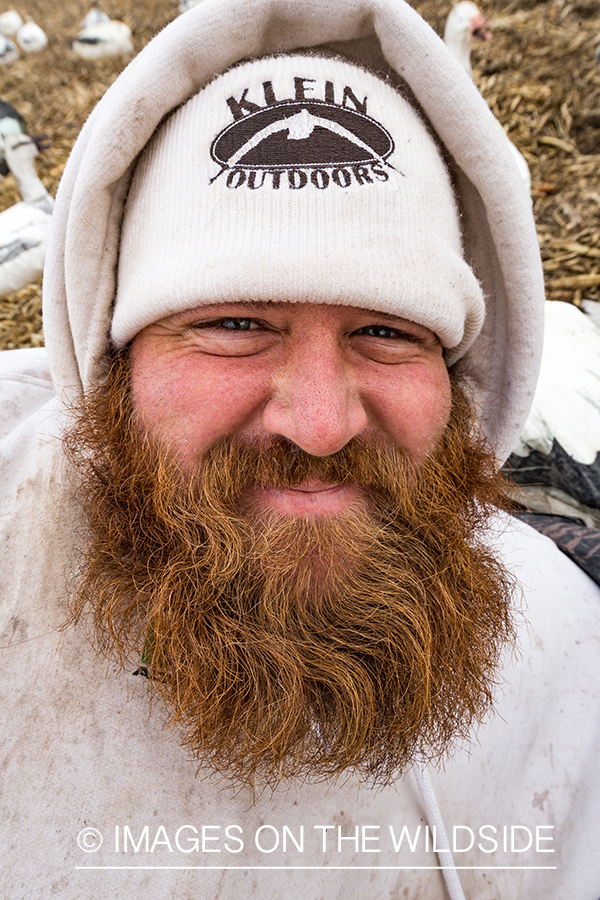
{"x":296,"y":647}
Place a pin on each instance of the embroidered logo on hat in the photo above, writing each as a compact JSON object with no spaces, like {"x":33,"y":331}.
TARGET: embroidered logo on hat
{"x":304,"y":178}
{"x":302,"y":140}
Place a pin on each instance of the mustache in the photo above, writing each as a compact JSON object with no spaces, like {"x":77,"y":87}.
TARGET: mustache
{"x":232,"y":466}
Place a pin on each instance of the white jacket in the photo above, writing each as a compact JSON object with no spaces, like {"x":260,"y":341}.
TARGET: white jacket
{"x":81,"y":758}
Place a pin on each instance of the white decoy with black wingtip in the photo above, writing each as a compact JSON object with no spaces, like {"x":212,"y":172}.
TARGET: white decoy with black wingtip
{"x":9,"y":52}
{"x":31,"y":38}
{"x":102,"y":41}
{"x":25,"y":226}
{"x":558,"y":452}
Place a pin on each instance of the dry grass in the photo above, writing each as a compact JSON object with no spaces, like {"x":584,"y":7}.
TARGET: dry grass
{"x":540,"y":77}
{"x":538,"y":74}
{"x":55,"y":92}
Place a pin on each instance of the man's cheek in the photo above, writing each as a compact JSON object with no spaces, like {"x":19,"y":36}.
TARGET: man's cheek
{"x":419,"y":414}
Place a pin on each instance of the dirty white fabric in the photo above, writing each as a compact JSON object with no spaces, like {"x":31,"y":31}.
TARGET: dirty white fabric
{"x":499,"y":235}
{"x":78,"y":750}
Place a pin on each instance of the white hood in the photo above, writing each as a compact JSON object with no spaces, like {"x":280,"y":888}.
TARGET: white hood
{"x":498,"y":230}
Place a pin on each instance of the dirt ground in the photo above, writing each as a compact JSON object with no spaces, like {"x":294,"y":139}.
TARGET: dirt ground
{"x":538,"y":74}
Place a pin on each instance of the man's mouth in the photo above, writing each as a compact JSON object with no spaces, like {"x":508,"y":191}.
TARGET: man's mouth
{"x":311,"y":498}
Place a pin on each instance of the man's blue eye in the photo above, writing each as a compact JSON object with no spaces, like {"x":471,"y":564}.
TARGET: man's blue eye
{"x":385,"y":331}
{"x":378,"y":331}
{"x":237,"y":324}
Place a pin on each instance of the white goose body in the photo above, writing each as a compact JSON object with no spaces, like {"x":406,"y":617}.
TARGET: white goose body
{"x":103,"y":40}
{"x":557,"y":456}
{"x":24,"y":233}
{"x":9,"y":52}
{"x":10,"y":22}
{"x":25,"y":226}
{"x":566,"y":407}
{"x":31,"y":38}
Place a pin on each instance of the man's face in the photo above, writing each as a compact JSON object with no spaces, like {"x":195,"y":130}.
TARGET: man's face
{"x":285,"y":508}
{"x":318,"y":375}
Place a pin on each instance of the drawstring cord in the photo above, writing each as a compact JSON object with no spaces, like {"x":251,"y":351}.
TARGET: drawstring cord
{"x":434,"y":816}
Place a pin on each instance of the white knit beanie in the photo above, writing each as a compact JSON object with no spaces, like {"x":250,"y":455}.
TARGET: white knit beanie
{"x":301,"y":179}
{"x":498,"y":231}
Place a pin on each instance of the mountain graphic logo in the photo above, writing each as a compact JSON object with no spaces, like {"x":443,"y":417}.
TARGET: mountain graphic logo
{"x":302,"y":134}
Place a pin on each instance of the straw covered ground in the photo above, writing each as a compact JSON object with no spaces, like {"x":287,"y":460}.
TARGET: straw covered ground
{"x":538,"y":74}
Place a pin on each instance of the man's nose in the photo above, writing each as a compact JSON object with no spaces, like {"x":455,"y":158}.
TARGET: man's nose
{"x":315,"y":401}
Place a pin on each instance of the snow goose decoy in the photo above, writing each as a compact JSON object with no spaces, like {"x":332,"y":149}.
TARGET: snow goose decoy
{"x":94,"y":17}
{"x":557,"y":456}
{"x":10,"y":22}
{"x":11,"y":122}
{"x":103,"y":40}
{"x":466,"y":24}
{"x":25,"y":226}
{"x":31,"y":38}
{"x":8,"y":51}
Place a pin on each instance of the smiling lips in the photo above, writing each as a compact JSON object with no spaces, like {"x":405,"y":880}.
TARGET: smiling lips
{"x":312,"y":498}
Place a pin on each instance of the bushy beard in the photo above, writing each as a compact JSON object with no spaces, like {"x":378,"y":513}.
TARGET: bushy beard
{"x":286,"y":647}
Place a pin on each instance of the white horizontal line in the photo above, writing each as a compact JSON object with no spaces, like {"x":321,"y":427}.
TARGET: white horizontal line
{"x":311,"y":868}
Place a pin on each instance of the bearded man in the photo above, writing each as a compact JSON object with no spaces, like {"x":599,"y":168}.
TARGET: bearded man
{"x":293,"y":303}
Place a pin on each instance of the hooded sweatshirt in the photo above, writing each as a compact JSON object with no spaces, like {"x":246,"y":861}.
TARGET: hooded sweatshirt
{"x":98,"y":797}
